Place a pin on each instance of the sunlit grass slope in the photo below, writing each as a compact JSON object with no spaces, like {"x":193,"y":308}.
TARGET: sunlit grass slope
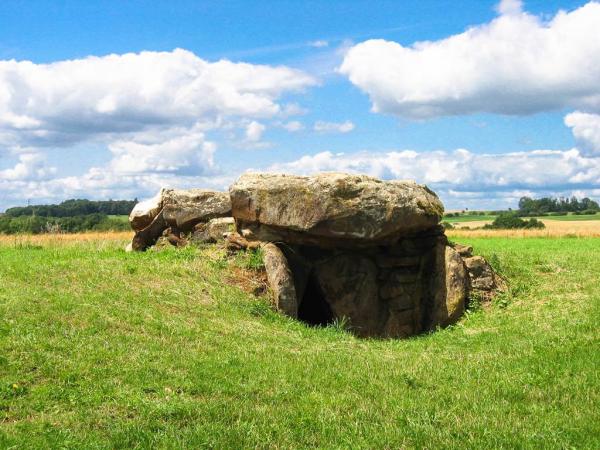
{"x":103,"y":349}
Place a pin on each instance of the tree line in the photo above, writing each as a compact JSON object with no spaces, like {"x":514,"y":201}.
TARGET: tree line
{"x":547,"y":205}
{"x":70,"y":216}
{"x":73,"y":207}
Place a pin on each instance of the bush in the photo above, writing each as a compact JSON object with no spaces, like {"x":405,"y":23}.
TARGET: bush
{"x":510,"y":221}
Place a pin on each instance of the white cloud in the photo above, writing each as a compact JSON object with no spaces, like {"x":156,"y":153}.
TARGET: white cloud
{"x":516,"y":64}
{"x":152,"y":111}
{"x":293,"y":126}
{"x":99,"y":183}
{"x":485,"y":179}
{"x":178,"y":151}
{"x":72,"y":101}
{"x":31,"y":166}
{"x":509,"y":7}
{"x":586,"y":129}
{"x":254,"y":131}
{"x":333,"y":127}
{"x":319,"y":44}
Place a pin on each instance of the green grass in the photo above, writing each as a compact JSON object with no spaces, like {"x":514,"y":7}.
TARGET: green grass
{"x":103,"y":349}
{"x":573,"y":217}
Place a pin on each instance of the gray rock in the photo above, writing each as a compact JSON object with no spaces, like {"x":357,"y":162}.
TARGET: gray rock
{"x":349,"y":285}
{"x":148,"y":236}
{"x":331,"y":209}
{"x":185,"y":208}
{"x":281,"y":280}
{"x":465,"y":251}
{"x":176,"y":208}
{"x":214,"y":230}
{"x":481,"y":273}
{"x":448,"y":288}
{"x":144,"y":212}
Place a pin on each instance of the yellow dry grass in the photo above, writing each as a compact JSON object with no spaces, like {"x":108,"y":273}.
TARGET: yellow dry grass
{"x":554,"y":228}
{"x":47,"y":240}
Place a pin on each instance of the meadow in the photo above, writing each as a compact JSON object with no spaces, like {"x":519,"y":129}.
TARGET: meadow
{"x":170,"y":349}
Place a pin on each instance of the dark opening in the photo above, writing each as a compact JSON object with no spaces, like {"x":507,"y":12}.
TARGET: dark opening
{"x":313,"y":308}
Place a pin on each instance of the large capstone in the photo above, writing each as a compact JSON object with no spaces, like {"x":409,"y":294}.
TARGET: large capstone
{"x":331,"y":209}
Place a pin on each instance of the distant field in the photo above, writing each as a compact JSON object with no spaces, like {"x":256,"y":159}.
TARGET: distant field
{"x":487,"y":217}
{"x":103,"y":349}
{"x":554,"y":228}
{"x":573,"y":217}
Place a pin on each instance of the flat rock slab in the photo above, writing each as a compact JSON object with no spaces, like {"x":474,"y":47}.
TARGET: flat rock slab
{"x":184,"y":208}
{"x":331,"y":209}
{"x":178,"y":209}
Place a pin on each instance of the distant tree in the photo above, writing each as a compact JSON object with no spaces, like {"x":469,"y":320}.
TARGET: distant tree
{"x":509,"y":221}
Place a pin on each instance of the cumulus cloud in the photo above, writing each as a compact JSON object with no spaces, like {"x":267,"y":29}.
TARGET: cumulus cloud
{"x":333,"y":127}
{"x":254,"y":131}
{"x":31,"y":166}
{"x":68,"y":101}
{"x":462,"y":175}
{"x":293,"y":126}
{"x":100,"y":183}
{"x":152,"y":111}
{"x":586,"y":129}
{"x":516,"y":64}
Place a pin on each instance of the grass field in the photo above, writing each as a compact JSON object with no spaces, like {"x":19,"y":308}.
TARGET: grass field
{"x":553,"y":228}
{"x":486,"y":217}
{"x":103,"y":349}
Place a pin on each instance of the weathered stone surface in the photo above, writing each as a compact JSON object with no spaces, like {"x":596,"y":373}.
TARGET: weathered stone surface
{"x":449,"y":287}
{"x":185,"y":208}
{"x":173,"y":236}
{"x":385,"y":261}
{"x":147,"y":237}
{"x":281,"y":280}
{"x":349,"y":285}
{"x":331,"y":209}
{"x":178,"y":209}
{"x":396,"y":282}
{"x":214,"y":230}
{"x":481,"y":273}
{"x":144,"y":212}
{"x":236,"y":242}
{"x":465,"y":251}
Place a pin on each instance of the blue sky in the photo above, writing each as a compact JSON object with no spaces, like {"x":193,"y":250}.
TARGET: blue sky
{"x":341,"y":87}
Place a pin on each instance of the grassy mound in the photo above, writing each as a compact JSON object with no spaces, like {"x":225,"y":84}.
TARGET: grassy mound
{"x":103,"y":349}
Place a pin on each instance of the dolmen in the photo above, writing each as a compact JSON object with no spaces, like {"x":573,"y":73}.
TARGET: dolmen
{"x":337,"y":247}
